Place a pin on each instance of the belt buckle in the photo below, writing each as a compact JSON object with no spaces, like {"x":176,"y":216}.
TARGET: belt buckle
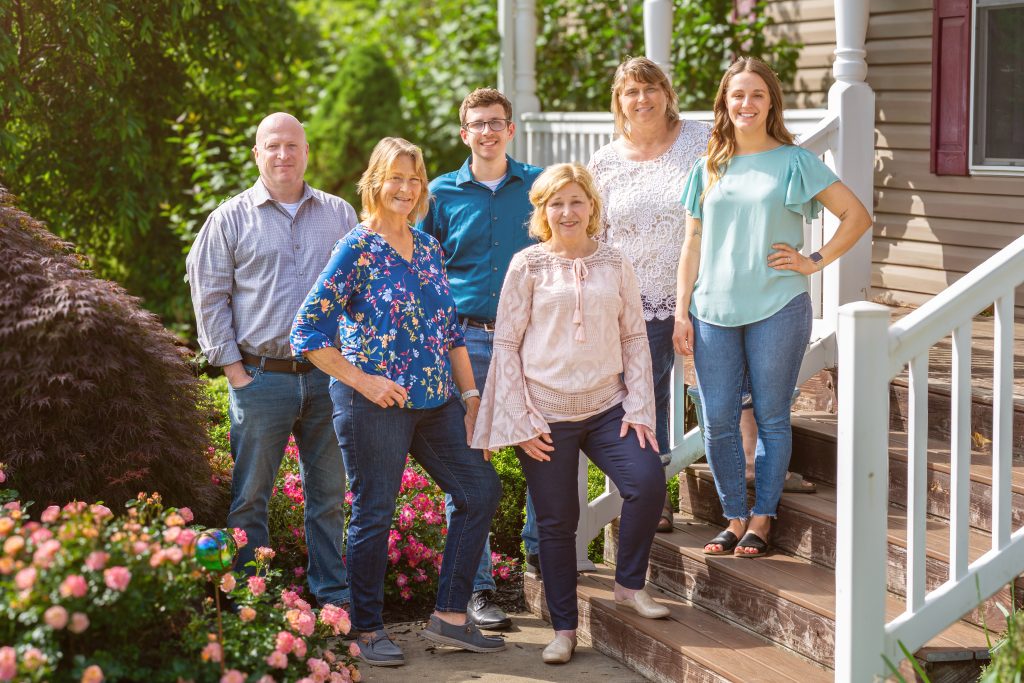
{"x":295,"y":366}
{"x":487,"y":327}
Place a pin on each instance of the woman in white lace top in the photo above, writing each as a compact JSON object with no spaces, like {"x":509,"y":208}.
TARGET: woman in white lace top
{"x":571,"y":370}
{"x":639,"y":175}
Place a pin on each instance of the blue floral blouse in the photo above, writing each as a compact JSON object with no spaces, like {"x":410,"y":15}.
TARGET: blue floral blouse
{"x":395,"y":318}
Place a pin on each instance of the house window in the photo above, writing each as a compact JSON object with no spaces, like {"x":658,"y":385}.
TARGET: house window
{"x":997,"y":122}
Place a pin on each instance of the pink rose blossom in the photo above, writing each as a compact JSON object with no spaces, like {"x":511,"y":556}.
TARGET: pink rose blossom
{"x":44,"y":554}
{"x":338,"y":677}
{"x":100,"y":511}
{"x":305,"y":679}
{"x":174,"y":554}
{"x":96,"y":561}
{"x":318,"y":667}
{"x":258,"y":585}
{"x":6,"y":525}
{"x":74,"y":586}
{"x":302,"y":622}
{"x":39,"y":535}
{"x":277,"y":660}
{"x":171,"y":534}
{"x":227,"y":582}
{"x":50,"y":514}
{"x":13,"y":505}
{"x":25,"y":579}
{"x":140,"y":547}
{"x":174,"y":520}
{"x":353,"y":650}
{"x":299,"y":572}
{"x":3,"y":476}
{"x":92,"y":674}
{"x":74,"y":507}
{"x":185,"y":539}
{"x":240,"y":538}
{"x":79,"y":622}
{"x":56,"y":617}
{"x":247,"y":614}
{"x":299,"y":648}
{"x":285,"y":642}
{"x":156,"y":559}
{"x":233,"y":676}
{"x":8,"y":663}
{"x":32,"y":659}
{"x":212,"y":652}
{"x":266,"y":678}
{"x":336,"y":618}
{"x":264,"y":554}
{"x":117,"y":578}
{"x":186,"y":514}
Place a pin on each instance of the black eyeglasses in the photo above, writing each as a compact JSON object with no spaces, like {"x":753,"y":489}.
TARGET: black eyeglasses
{"x":493,"y":124}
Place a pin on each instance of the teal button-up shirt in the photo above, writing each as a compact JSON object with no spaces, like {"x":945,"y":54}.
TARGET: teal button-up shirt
{"x":479,"y":231}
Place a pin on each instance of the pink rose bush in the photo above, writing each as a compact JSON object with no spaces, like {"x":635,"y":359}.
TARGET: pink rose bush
{"x":89,"y":595}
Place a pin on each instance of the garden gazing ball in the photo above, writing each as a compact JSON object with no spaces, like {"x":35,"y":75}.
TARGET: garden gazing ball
{"x":215,"y":550}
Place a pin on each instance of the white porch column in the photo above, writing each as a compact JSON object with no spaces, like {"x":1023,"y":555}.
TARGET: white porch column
{"x":658,"y":33}
{"x":525,"y":90}
{"x":854,"y":154}
{"x":506,"y":48}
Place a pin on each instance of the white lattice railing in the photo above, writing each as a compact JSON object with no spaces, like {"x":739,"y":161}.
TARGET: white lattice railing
{"x":554,"y":137}
{"x":871,"y":353}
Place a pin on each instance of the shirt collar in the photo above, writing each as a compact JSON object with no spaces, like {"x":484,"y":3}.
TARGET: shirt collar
{"x":514,"y":170}
{"x":261,"y":195}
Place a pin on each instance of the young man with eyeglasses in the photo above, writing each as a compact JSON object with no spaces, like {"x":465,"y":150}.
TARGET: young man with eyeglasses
{"x":479,"y":214}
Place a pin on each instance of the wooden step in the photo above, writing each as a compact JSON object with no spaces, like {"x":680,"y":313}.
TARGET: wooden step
{"x":692,"y":644}
{"x":786,"y":599}
{"x":814,"y":455}
{"x":806,"y":525}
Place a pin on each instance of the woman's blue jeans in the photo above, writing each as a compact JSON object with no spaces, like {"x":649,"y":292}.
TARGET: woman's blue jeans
{"x":663,"y":359}
{"x":768,"y":352}
{"x":374,"y":442}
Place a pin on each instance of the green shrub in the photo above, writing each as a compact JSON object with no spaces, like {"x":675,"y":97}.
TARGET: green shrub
{"x":98,"y":402}
{"x":360,"y":106}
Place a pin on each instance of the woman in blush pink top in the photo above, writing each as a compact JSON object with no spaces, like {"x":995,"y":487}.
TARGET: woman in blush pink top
{"x":572,"y":371}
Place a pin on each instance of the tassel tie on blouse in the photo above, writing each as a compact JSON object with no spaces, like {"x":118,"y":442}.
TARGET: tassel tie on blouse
{"x":579,"y":274}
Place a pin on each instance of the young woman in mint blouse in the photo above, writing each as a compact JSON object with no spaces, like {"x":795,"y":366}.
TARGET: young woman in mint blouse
{"x":742,"y":307}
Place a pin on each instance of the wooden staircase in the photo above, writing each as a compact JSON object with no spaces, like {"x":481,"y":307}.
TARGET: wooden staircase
{"x":773,"y":618}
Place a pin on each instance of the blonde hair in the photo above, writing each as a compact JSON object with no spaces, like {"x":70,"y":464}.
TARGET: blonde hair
{"x":643,"y":71}
{"x":551,"y":181}
{"x":722,"y":144}
{"x":382,"y":160}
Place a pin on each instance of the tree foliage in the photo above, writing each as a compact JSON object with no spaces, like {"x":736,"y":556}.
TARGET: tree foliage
{"x":359,"y":106}
{"x":91,"y":93}
{"x":97,"y":401}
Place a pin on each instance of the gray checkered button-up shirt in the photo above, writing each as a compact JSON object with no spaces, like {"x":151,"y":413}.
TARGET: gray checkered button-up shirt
{"x":252,"y":266}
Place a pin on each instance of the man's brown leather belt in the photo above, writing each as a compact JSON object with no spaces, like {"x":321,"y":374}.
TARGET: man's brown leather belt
{"x":486,"y":326}
{"x":276,"y":364}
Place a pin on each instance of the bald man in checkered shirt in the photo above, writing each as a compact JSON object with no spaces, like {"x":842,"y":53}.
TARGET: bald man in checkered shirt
{"x":250,"y":269}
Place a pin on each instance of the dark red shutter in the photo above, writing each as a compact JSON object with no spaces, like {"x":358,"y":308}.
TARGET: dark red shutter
{"x":951,"y":85}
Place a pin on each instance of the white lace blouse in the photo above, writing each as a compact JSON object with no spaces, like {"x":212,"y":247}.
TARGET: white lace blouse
{"x":569,"y":343}
{"x":642,"y":215}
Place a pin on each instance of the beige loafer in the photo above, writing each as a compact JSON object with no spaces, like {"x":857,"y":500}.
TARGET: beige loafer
{"x":644,"y":605}
{"x":559,"y":650}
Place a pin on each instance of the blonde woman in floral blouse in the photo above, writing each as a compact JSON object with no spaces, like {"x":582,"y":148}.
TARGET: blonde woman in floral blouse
{"x":572,"y":371}
{"x":395,"y":371}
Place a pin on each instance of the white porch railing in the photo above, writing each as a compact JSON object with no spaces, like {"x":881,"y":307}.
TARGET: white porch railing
{"x":871,"y":353}
{"x":554,"y":137}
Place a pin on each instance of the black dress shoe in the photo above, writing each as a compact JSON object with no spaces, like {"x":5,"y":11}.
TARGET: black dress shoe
{"x":485,"y":614}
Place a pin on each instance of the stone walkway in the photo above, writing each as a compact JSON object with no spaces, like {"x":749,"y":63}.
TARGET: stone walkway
{"x":519,"y":662}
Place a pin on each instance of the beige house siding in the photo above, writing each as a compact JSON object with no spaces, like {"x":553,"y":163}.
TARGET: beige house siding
{"x":929,"y":230}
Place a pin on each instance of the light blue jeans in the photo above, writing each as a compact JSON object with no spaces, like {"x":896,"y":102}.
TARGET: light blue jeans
{"x":768,"y":353}
{"x":479,"y":345}
{"x":263,"y":413}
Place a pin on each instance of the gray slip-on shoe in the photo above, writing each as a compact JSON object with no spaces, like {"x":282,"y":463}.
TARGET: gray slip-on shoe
{"x":467,"y":636}
{"x":377,"y":649}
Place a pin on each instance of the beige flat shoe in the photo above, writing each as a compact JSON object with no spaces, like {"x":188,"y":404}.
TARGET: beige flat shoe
{"x":559,"y":650}
{"x":644,"y":605}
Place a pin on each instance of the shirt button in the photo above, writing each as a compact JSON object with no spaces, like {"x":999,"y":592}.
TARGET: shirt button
{"x":493,"y":294}
{"x":296,"y":247}
{"x":494,"y":218}
{"x":495,"y":269}
{"x":495,"y":244}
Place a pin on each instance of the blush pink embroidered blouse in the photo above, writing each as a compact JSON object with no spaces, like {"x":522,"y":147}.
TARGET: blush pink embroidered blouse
{"x":569,"y":343}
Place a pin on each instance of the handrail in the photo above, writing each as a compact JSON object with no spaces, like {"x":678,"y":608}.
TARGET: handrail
{"x":871,"y":353}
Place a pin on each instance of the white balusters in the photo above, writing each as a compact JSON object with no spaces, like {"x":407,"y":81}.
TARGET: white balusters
{"x":960,"y":452}
{"x":917,"y":481}
{"x":1002,"y":420}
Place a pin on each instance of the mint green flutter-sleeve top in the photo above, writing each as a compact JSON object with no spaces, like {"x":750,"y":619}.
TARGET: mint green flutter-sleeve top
{"x":760,"y":200}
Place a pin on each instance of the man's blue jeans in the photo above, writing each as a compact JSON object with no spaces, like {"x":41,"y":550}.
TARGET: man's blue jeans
{"x":768,"y":353}
{"x":480,"y":344}
{"x":375,"y":441}
{"x":263,"y":414}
